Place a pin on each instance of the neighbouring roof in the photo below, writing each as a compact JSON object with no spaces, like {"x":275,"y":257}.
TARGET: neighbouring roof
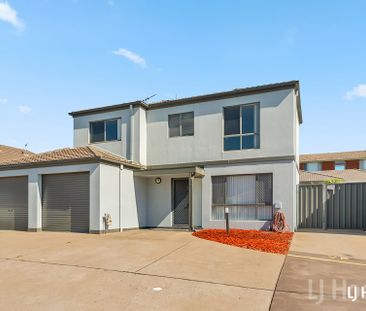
{"x":201,"y":98}
{"x":352,"y":175}
{"x":66,"y":156}
{"x":333,"y":156}
{"x":10,"y":153}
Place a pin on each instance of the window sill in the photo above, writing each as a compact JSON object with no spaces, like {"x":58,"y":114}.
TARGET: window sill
{"x":236,"y":150}
{"x":104,"y":142}
{"x":180,"y":136}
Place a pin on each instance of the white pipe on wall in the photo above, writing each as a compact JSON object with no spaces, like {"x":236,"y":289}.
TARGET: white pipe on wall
{"x":132,"y":154}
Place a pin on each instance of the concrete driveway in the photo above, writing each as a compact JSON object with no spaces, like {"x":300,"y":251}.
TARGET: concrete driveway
{"x":318,"y":271}
{"x":133,"y":270}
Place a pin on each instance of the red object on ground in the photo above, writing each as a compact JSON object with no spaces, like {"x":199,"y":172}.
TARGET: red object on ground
{"x":265,"y":241}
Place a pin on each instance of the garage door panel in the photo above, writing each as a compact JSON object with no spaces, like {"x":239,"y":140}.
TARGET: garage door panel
{"x":7,"y":221}
{"x":14,"y":203}
{"x":65,"y":202}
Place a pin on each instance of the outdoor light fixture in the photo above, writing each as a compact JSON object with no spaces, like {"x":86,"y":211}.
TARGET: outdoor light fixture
{"x":158,"y":180}
{"x":227,"y":212}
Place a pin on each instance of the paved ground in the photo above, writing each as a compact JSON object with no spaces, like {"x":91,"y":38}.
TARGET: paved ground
{"x":169,"y":270}
{"x":319,"y":267}
{"x":134,"y":270}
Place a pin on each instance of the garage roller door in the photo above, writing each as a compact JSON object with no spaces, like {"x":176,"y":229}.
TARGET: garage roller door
{"x":65,"y":202}
{"x":14,"y":203}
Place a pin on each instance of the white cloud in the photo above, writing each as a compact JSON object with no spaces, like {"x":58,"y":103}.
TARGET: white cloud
{"x":3,"y":100}
{"x":133,"y":57}
{"x":25,"y":109}
{"x":9,"y":15}
{"x":357,"y":91}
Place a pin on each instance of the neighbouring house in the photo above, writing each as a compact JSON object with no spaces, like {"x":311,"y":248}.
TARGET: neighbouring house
{"x":175,"y":163}
{"x":333,"y":161}
{"x":10,"y":153}
{"x":335,"y":176}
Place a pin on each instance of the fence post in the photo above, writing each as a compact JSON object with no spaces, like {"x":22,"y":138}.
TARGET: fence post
{"x":324,"y":206}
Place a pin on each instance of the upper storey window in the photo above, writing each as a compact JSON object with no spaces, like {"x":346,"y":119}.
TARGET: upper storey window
{"x":106,"y":130}
{"x":340,"y":165}
{"x":181,"y":124}
{"x":241,"y":127}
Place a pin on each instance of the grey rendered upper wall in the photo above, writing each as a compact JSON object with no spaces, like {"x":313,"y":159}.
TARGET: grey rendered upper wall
{"x":278,"y":130}
{"x":81,"y":131}
{"x":151,"y":145}
{"x":135,"y":151}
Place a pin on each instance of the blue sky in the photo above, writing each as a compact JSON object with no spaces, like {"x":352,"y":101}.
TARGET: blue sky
{"x":60,"y":56}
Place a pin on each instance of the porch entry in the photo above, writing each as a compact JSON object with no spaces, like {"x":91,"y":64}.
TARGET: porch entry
{"x":180,"y":194}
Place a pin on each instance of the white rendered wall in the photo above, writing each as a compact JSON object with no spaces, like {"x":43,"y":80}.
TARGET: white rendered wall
{"x":159,"y":202}
{"x":110,"y":194}
{"x":197,"y":202}
{"x":140,"y":186}
{"x":133,"y":200}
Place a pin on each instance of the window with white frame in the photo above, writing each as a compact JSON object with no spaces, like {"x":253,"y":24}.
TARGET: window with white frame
{"x":363,"y":164}
{"x":248,"y":197}
{"x":106,"y":130}
{"x":241,"y":127}
{"x":312,"y":167}
{"x":340,"y":165}
{"x":181,"y":124}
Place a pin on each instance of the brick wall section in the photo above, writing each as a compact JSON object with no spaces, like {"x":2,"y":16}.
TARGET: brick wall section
{"x":352,"y":164}
{"x":329,"y":165}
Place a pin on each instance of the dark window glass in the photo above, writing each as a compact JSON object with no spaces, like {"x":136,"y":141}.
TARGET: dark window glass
{"x":248,"y":119}
{"x":181,"y":124}
{"x":187,"y":121}
{"x":97,"y":132}
{"x":174,"y":125}
{"x":232,"y":143}
{"x":232,"y":120}
{"x":218,"y":189}
{"x":248,"y":142}
{"x":248,"y":115}
{"x":111,"y":130}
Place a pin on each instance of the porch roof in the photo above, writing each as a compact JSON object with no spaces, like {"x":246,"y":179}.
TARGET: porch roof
{"x":194,"y":171}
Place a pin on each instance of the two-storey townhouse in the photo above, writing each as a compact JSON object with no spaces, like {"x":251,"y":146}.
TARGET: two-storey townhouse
{"x":176,"y":163}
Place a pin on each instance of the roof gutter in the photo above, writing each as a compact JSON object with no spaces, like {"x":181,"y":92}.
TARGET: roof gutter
{"x":202,"y":98}
{"x":18,"y":166}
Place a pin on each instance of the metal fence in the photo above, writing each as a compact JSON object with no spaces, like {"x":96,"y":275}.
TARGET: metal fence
{"x":338,"y":206}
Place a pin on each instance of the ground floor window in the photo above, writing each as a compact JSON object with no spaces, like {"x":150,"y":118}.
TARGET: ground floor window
{"x":248,"y":197}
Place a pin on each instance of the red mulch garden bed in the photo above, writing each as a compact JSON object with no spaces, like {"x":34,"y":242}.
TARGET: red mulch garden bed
{"x":264,"y":241}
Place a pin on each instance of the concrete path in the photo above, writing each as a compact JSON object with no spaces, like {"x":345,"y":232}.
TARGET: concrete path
{"x":133,"y":270}
{"x":318,"y":271}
